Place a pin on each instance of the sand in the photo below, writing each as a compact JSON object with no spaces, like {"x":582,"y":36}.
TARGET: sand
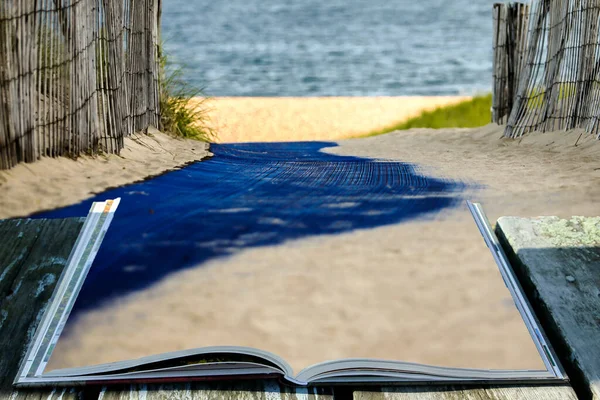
{"x":265,"y":119}
{"x":390,"y":293}
{"x":424,"y":291}
{"x":540,"y":174}
{"x":57,"y":182}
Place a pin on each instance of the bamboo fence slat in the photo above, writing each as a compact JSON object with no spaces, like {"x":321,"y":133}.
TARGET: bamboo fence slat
{"x":547,"y":66}
{"x":76,"y":76}
{"x":510,"y":31}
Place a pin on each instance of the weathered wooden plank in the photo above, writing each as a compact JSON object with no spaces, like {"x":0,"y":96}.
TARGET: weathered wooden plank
{"x":558,"y":263}
{"x":33,"y":254}
{"x":243,"y":390}
{"x":49,"y":394}
{"x":562,"y":392}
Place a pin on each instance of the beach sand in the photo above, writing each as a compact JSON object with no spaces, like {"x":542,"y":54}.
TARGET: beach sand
{"x":58,"y":182}
{"x":426,"y":290}
{"x":270,"y":119}
{"x":423,"y":291}
{"x":52,"y":183}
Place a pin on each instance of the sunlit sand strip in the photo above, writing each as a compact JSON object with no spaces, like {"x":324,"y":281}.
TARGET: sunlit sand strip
{"x":261,"y":119}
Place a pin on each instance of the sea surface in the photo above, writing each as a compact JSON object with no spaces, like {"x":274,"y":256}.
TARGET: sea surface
{"x":331,"y":47}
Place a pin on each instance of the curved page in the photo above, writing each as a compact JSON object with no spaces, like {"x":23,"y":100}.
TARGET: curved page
{"x":307,"y":255}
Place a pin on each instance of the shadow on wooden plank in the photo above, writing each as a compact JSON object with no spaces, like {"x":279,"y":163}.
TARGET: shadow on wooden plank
{"x":560,"y":274}
{"x":33,"y":254}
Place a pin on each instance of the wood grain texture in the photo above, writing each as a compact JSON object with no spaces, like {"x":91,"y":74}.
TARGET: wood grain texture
{"x":243,"y":390}
{"x":558,"y":263}
{"x":563,"y":392}
{"x":33,"y":254}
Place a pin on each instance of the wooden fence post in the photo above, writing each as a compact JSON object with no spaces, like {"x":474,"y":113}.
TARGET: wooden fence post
{"x":5,"y":154}
{"x":510,"y":43}
{"x":76,"y":77}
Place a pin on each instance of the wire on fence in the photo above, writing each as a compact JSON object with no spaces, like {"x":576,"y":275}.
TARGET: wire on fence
{"x":559,"y":83}
{"x":76,"y":76}
{"x":509,"y":44}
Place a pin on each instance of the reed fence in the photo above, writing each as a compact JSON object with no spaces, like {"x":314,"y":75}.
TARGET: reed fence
{"x":76,"y":76}
{"x":558,"y":78}
{"x":509,"y":42}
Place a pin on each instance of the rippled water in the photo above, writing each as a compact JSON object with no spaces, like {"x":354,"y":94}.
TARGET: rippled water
{"x":332,"y":47}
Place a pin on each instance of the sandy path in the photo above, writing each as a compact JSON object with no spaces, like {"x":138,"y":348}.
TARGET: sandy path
{"x":58,"y":182}
{"x":390,"y":293}
{"x":52,"y":183}
{"x":436,"y":296}
{"x":541,"y":174}
{"x":265,"y":119}
{"x":424,"y":291}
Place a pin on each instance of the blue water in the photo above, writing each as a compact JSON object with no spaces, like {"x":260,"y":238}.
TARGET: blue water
{"x":332,"y":47}
{"x":248,"y":195}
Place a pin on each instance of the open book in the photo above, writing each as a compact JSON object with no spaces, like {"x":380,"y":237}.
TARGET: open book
{"x":231,"y":362}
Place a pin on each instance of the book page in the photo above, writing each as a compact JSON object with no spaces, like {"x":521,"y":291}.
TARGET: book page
{"x":319,"y":258}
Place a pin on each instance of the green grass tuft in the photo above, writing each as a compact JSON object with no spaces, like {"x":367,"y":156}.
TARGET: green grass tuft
{"x":467,"y":114}
{"x":183,"y":108}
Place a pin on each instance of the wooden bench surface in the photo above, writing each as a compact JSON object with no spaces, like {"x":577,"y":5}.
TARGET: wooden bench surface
{"x":32,"y":256}
{"x":558,"y":264}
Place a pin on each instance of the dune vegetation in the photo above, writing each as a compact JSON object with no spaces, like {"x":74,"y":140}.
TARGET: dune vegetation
{"x":467,"y":114}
